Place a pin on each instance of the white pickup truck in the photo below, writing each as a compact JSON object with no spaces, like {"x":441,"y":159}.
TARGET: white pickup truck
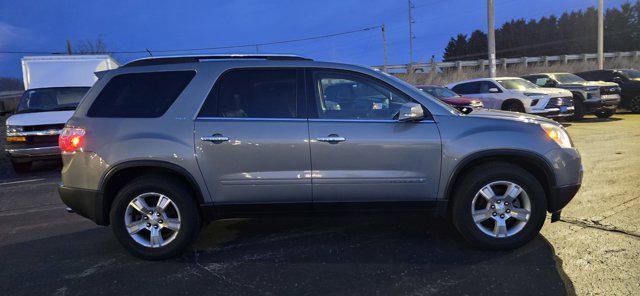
{"x":54,"y":86}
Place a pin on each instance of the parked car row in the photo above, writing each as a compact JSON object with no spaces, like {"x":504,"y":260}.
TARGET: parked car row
{"x":552,"y":95}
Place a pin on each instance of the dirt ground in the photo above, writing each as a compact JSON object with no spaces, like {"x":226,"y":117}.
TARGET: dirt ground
{"x":598,"y":240}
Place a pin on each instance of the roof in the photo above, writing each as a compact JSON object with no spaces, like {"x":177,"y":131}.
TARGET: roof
{"x":161,"y":60}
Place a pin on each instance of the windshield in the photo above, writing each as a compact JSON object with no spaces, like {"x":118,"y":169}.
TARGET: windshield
{"x":439,"y":92}
{"x":516,"y":84}
{"x":568,"y":78}
{"x":51,"y":99}
{"x":409,"y":85}
{"x":631,"y":74}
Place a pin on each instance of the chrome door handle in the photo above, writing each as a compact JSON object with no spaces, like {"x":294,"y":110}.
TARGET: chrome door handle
{"x":215,"y":138}
{"x":331,"y":139}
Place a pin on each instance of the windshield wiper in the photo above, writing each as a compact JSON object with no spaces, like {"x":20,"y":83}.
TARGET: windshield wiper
{"x":62,"y":108}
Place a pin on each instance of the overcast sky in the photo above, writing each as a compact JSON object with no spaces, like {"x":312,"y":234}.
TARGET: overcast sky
{"x":168,"y":24}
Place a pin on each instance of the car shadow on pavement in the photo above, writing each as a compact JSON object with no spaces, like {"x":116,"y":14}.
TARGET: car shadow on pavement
{"x":361,"y":254}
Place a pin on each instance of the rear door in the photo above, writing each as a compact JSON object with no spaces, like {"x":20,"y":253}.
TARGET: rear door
{"x":252,"y":138}
{"x":360,"y":152}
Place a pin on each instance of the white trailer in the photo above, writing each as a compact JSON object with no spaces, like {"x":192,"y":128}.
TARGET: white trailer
{"x":64,"y":70}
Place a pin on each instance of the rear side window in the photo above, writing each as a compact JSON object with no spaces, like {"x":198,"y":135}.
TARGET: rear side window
{"x":467,"y":88}
{"x":254,"y":93}
{"x":140,"y":95}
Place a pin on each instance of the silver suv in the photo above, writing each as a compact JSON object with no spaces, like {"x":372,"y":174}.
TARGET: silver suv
{"x":162,"y":145}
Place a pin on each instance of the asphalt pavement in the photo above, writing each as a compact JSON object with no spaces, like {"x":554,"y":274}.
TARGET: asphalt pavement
{"x":594,"y":250}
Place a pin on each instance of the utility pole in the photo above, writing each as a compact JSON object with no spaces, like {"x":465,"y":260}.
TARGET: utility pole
{"x":69,"y":51}
{"x":491,"y":38}
{"x":600,"y":34}
{"x":410,"y":33}
{"x":384,"y":45}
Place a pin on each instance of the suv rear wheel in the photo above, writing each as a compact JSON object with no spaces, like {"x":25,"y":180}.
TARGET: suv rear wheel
{"x":499,"y":206}
{"x":155,"y":217}
{"x":606,"y":113}
{"x":513,"y":106}
{"x":635,"y":104}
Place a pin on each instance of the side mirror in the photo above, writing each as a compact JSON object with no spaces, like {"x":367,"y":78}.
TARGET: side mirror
{"x":494,"y":90}
{"x":411,"y":112}
{"x":617,"y":79}
{"x":550,"y":83}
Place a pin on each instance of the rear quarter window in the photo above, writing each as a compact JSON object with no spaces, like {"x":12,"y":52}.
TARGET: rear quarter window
{"x":140,"y":95}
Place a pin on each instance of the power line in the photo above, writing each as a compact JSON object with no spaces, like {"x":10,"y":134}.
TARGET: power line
{"x":208,"y":48}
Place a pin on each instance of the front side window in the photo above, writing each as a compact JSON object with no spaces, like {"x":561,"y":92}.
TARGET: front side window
{"x":485,"y":86}
{"x":631,"y":74}
{"x":140,"y":95}
{"x":51,"y":99}
{"x":254,"y":93}
{"x":347,"y":96}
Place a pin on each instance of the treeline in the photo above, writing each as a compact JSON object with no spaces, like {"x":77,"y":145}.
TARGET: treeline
{"x":572,"y":33}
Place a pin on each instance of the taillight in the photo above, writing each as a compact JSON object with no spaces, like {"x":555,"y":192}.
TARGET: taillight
{"x":71,"y":139}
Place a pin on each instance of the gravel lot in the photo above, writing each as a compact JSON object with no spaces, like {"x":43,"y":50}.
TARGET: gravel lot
{"x":594,"y":250}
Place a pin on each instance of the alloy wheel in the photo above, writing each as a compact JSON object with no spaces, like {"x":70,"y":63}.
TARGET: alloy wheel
{"x":152,"y":220}
{"x":501,"y":209}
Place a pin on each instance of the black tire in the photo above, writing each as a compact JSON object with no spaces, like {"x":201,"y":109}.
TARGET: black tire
{"x":579,"y":110}
{"x":513,"y":106}
{"x":476,"y":179}
{"x":179,"y":194}
{"x":606,"y":113}
{"x":21,"y":167}
{"x":634,"y":105}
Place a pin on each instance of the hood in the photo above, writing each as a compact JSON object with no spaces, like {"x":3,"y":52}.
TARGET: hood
{"x":589,"y":83}
{"x":514,"y":116}
{"x":550,"y":91}
{"x":40,"y":118}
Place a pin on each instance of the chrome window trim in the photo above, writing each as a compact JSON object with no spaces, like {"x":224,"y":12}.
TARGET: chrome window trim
{"x":249,"y":119}
{"x":310,"y":119}
{"x":366,"y":120}
{"x":35,"y":133}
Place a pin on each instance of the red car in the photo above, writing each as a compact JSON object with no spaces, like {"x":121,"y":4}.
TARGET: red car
{"x":450,"y":97}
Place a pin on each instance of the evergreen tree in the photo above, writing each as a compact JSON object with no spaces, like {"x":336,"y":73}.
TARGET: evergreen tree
{"x":572,"y":33}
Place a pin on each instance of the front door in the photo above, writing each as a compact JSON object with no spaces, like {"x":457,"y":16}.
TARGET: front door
{"x":359,"y":150}
{"x":252,"y":138}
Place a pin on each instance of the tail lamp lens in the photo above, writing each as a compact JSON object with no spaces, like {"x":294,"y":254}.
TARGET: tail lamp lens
{"x":71,"y":139}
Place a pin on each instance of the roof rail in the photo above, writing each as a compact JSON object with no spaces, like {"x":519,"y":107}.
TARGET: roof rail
{"x":162,"y":60}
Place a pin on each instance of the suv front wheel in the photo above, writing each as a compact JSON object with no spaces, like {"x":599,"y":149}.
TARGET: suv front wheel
{"x":499,"y":206}
{"x":155,"y":217}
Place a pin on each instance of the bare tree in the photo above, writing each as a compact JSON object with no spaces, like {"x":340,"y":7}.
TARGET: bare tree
{"x":97,"y":46}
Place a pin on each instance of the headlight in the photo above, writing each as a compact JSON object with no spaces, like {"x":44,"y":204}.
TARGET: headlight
{"x":558,"y":134}
{"x":12,"y":129}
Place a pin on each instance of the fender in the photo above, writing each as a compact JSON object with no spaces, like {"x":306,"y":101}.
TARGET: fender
{"x":530,"y":156}
{"x":153,"y":163}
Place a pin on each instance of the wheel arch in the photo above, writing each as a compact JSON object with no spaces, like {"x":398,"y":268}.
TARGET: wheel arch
{"x":529,"y":161}
{"x":509,"y":101}
{"x":119,"y":175}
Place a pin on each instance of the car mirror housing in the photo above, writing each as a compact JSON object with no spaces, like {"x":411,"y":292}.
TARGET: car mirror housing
{"x":494,"y":90}
{"x":411,"y":112}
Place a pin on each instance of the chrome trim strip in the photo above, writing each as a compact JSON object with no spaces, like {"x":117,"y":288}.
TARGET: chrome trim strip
{"x":310,"y":119}
{"x":249,"y":119}
{"x":35,"y":133}
{"x":364,"y":120}
{"x":51,"y":149}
